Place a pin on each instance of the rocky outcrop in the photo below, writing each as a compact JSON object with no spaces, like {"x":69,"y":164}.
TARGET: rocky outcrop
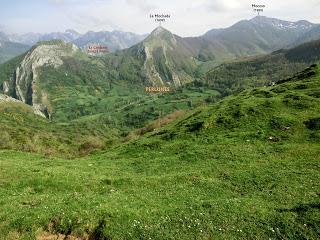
{"x":5,"y":87}
{"x":25,"y":80}
{"x":156,"y":46}
{"x":5,"y":98}
{"x":165,"y":59}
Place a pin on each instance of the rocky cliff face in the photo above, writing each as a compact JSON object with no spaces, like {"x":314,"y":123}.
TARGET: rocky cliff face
{"x":166,"y":59}
{"x":5,"y":87}
{"x":25,"y":80}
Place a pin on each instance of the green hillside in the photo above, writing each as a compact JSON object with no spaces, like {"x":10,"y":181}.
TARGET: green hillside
{"x":262,"y":70}
{"x":22,"y":130}
{"x":83,"y":122}
{"x":246,"y":167}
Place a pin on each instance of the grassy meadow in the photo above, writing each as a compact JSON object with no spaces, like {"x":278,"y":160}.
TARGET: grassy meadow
{"x":246,"y":167}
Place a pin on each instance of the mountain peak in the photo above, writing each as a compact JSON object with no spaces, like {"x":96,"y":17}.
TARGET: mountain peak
{"x":161,"y":34}
{"x":264,"y":20}
{"x":259,"y":18}
{"x":159,"y":31}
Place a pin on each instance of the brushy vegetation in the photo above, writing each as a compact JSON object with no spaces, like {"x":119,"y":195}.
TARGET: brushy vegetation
{"x":246,"y":167}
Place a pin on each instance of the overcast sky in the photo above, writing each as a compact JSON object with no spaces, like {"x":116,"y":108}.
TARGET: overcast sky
{"x":188,"y":17}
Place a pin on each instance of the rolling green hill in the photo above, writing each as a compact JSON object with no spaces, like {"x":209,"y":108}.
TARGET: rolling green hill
{"x":262,"y":70}
{"x":84,"y":123}
{"x":246,"y":167}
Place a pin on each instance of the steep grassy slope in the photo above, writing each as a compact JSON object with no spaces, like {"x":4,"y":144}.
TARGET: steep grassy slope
{"x":246,"y":167}
{"x":22,"y":130}
{"x":262,"y":70}
{"x":7,"y":70}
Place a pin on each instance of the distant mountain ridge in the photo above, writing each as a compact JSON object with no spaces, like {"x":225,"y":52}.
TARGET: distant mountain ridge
{"x":245,"y":38}
{"x":164,"y":58}
{"x":260,"y":35}
{"x":17,"y":44}
{"x":115,"y":40}
{"x":10,"y":49}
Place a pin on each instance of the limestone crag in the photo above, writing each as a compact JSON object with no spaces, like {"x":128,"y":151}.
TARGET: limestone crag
{"x":157,"y":46}
{"x":26,"y":74}
{"x":5,"y":87}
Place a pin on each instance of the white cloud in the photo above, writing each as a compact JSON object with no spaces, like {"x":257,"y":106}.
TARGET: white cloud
{"x":142,"y":5}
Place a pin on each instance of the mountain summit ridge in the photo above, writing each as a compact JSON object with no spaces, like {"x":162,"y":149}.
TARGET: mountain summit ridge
{"x":282,"y":24}
{"x":158,"y":30}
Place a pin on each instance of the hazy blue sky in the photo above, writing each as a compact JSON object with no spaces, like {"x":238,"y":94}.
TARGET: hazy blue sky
{"x":188,"y":17}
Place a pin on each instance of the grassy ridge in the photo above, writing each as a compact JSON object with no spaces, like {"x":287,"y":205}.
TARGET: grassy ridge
{"x":246,"y":167}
